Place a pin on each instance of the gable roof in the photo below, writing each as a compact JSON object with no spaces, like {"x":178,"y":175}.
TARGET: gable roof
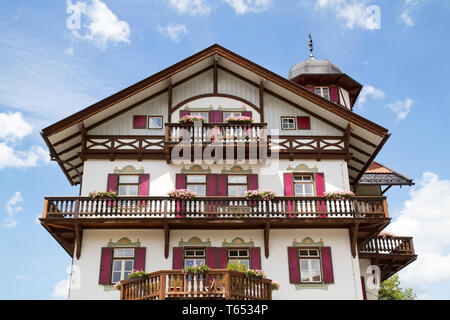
{"x":378,"y":174}
{"x":367,"y":137}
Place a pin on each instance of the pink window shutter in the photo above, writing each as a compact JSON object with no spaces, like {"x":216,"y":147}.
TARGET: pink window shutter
{"x":211,"y":257}
{"x":253,"y":182}
{"x":303,"y":123}
{"x":216,"y":116}
{"x":112,"y":182}
{"x":184,"y":113}
{"x":222,"y":189}
{"x":255,"y":254}
{"x":320,"y":189}
{"x":180,"y":181}
{"x":105,"y":266}
{"x":334,"y":94}
{"x":247,"y":114}
{"x":140,"y":259}
{"x":310,"y":88}
{"x":144,"y":184}
{"x":177,"y":263}
{"x":327,"y":265}
{"x":294,"y":268}
{"x":222,"y":258}
{"x":288,"y":189}
{"x":139,"y":122}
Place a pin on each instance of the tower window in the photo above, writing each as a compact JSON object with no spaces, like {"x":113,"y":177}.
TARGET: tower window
{"x":323,"y":92}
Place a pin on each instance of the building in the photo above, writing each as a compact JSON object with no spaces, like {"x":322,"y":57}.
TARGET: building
{"x":304,"y":144}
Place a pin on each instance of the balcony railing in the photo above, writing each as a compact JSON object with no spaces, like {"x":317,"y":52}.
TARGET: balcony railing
{"x":214,"y":207}
{"x":216,"y":284}
{"x":389,"y":245}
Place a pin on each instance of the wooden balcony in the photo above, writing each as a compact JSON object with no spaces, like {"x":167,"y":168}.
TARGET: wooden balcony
{"x":248,"y":137}
{"x":216,"y":284}
{"x":390,"y":253}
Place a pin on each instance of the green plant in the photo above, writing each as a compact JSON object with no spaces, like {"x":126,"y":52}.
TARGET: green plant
{"x":390,"y":290}
{"x":197,"y":271}
{"x":136,"y":274}
{"x":275,"y":286}
{"x":237,"y":266}
{"x":102,"y":195}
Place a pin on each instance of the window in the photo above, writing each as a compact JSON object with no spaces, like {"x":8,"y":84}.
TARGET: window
{"x":122,"y":264}
{"x":139,"y":122}
{"x":155,"y":122}
{"x":304,"y":185}
{"x":323,"y":91}
{"x":310,"y":266}
{"x":201,"y":113}
{"x":288,"y":123}
{"x":231,"y":114}
{"x":197,"y":184}
{"x":194,"y":257}
{"x":240,"y":256}
{"x":237,"y":185}
{"x":128,"y":185}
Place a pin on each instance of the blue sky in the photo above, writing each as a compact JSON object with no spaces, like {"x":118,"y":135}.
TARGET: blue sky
{"x":50,"y":70}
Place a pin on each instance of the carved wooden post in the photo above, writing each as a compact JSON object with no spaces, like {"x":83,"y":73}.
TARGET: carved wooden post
{"x":162,"y":287}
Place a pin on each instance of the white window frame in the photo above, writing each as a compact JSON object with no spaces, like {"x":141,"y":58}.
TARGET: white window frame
{"x":322,"y":92}
{"x":195,"y":185}
{"x":227,"y":114}
{"x":243,"y":259}
{"x":155,"y":117}
{"x":303,"y":183}
{"x":119,"y":184}
{"x":239,"y":185}
{"x":198,"y":258}
{"x":309,"y":258}
{"x":294,"y":124}
{"x":123,"y":259}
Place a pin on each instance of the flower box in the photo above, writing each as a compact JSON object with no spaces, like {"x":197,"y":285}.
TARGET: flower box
{"x":339,"y":195}
{"x":256,"y":195}
{"x":102,"y":195}
{"x":239,"y":120}
{"x":197,"y":271}
{"x":191,"y":119}
{"x":182,"y":194}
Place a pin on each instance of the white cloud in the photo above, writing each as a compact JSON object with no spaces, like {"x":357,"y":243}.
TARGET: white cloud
{"x":23,"y":277}
{"x":369,"y":91}
{"x":173,"y":31}
{"x":401,"y":107}
{"x":103,"y":25}
{"x":13,"y":126}
{"x":407,"y":19}
{"x":426,"y":217}
{"x":61,"y":289}
{"x":13,"y":207}
{"x":193,"y":7}
{"x":406,"y":12}
{"x":353,"y":13}
{"x":11,"y":158}
{"x":245,"y":6}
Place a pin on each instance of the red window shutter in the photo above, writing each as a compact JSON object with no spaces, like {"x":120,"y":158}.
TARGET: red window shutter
{"x":334,"y":94}
{"x":112,"y":182}
{"x":363,"y":285}
{"x":222,"y":258}
{"x":184,"y":113}
{"x":140,"y":259}
{"x":294,"y":268}
{"x":222,"y":184}
{"x":320,"y":184}
{"x":211,"y":257}
{"x":180,"y":181}
{"x":310,"y":88}
{"x":247,"y":114}
{"x":255,"y":255}
{"x":105,"y":266}
{"x":253,"y":182}
{"x":215,"y":116}
{"x":177,"y":258}
{"x":144,"y":184}
{"x":139,"y":122}
{"x":303,"y":123}
{"x":327,"y":265}
{"x":211,"y":184}
{"x":288,"y":185}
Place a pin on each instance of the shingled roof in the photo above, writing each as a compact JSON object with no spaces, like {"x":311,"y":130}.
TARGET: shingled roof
{"x":378,"y":174}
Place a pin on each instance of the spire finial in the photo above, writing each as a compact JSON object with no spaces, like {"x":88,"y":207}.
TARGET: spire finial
{"x":311,"y":48}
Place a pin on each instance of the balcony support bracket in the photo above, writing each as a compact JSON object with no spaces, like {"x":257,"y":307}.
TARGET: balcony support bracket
{"x":266,"y":239}
{"x":78,"y":240}
{"x":166,"y":240}
{"x":354,"y":238}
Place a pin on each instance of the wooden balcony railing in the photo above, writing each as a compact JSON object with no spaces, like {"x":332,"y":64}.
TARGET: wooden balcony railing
{"x":216,"y":284}
{"x":214,"y":207}
{"x":389,"y":245}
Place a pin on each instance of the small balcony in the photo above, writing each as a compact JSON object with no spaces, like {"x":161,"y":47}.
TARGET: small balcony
{"x":390,"y":253}
{"x":216,"y":284}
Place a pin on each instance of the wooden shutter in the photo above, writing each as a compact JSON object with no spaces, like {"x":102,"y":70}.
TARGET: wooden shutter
{"x":288,"y":185}
{"x":320,"y":184}
{"x":177,"y":263}
{"x":105,"y":266}
{"x":112,"y":182}
{"x":222,"y":184}
{"x":255,"y":256}
{"x":253,"y":182}
{"x":247,"y":114}
{"x":334,"y":94}
{"x":140,"y":259}
{"x":303,"y":123}
{"x":294,"y":268}
{"x":139,"y":122}
{"x":180,"y":181}
{"x":215,"y":116}
{"x":327,"y":265}
{"x":211,"y":185}
{"x":184,"y":113}
{"x":144,"y":184}
{"x":222,"y":258}
{"x":211,"y":260}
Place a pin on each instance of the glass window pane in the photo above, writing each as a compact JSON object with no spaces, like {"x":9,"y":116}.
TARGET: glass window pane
{"x":117,"y":265}
{"x":154,"y":123}
{"x":304,"y":265}
{"x":309,"y":189}
{"x":116,"y":277}
{"x":128,"y":179}
{"x":129,"y":265}
{"x":188,"y":262}
{"x":318,"y":91}
{"x":304,"y":252}
{"x":299,"y":190}
{"x":243,"y":253}
{"x":199,"y":262}
{"x":196,"y":179}
{"x":313,"y":253}
{"x":189,"y":253}
{"x":118,"y":253}
{"x":316,"y":276}
{"x":128,"y":253}
{"x":233,"y":253}
{"x":326,"y":93}
{"x":201,"y":190}
{"x":232,"y":191}
{"x":126,"y":274}
{"x":304,"y":276}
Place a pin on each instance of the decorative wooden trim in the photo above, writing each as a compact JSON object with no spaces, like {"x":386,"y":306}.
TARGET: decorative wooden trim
{"x":237,"y":170}
{"x":124,"y":242}
{"x":232,"y":109}
{"x":307,"y":242}
{"x":238,"y":242}
{"x":78,"y":240}
{"x":166,"y":240}
{"x":129,"y":169}
{"x":195,"y":169}
{"x":266,"y":240}
{"x":215,"y":77}
{"x":194,"y":242}
{"x":261,"y":99}
{"x":169,"y":101}
{"x":199,"y":109}
{"x":303,"y":168}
